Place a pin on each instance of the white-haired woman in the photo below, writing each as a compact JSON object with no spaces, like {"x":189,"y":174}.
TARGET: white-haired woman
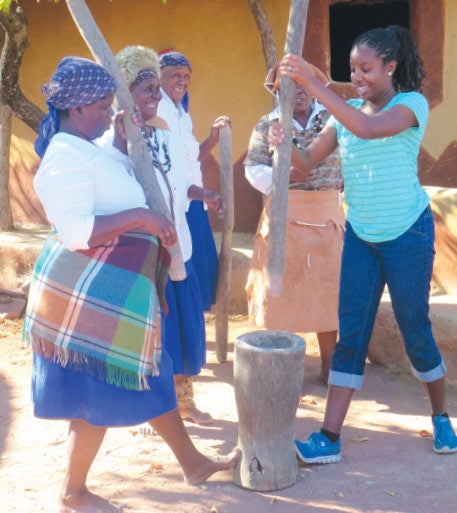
{"x":184,"y":325}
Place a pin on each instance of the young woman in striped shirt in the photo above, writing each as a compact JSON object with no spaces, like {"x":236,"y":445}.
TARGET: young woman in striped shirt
{"x":389,"y":235}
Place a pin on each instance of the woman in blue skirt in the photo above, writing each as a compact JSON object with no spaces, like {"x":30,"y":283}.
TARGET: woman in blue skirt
{"x":184,"y":325}
{"x":176,"y":73}
{"x":94,"y":303}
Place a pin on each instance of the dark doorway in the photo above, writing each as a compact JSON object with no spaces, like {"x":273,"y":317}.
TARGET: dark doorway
{"x":348,"y":20}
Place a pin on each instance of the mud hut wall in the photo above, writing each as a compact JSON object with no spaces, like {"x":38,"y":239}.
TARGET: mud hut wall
{"x":223,"y":45}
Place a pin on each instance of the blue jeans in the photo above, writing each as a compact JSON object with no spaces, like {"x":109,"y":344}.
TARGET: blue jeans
{"x":405,"y":264}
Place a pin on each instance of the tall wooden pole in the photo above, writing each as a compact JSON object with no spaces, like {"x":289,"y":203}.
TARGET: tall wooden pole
{"x":144,"y":170}
{"x":282,"y":156}
{"x":225,"y":254}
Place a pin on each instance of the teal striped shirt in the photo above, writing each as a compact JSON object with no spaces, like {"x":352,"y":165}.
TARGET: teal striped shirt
{"x":381,"y":186}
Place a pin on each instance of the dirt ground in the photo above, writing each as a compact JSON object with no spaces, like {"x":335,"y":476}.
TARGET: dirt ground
{"x":388,"y":465}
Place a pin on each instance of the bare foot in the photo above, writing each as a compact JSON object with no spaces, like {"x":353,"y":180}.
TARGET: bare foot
{"x":86,"y":502}
{"x":209,"y":466}
{"x":193,"y":414}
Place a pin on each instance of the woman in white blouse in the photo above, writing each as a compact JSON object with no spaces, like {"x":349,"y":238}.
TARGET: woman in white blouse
{"x":184,"y":325}
{"x":94,"y":296}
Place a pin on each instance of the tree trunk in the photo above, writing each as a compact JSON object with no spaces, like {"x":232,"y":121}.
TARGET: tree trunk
{"x":16,"y":42}
{"x":225,"y":254}
{"x":6,"y":218}
{"x":12,"y":101}
{"x":268,"y":373}
{"x":282,"y":156}
{"x":144,"y":170}
{"x":266,"y":34}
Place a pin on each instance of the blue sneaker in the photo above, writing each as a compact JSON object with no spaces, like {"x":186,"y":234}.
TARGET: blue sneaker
{"x":445,"y":439}
{"x":318,"y":449}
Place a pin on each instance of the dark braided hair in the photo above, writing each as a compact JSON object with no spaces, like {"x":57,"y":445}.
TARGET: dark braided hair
{"x":396,"y":43}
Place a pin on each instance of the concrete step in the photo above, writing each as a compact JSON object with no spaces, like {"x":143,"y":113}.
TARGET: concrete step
{"x":19,"y":250}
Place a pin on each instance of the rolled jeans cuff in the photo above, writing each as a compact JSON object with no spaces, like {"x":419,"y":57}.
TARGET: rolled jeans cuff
{"x":343,"y":379}
{"x":432,"y":375}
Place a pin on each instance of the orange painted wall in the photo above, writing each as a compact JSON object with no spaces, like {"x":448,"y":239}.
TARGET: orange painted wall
{"x":222,"y":42}
{"x":219,"y":38}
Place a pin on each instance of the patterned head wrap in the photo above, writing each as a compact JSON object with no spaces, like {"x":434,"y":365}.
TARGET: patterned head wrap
{"x":173,"y":58}
{"x":76,"y":82}
{"x":138,"y":63}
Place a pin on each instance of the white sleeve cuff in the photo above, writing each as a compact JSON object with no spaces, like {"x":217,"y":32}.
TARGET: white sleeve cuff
{"x":260,"y":177}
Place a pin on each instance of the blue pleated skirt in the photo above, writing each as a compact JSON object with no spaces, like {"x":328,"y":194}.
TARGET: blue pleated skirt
{"x":62,"y":393}
{"x":204,"y":252}
{"x":184,"y":334}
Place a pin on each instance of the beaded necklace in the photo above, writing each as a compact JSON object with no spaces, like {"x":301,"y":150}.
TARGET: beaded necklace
{"x":318,"y":125}
{"x":154,"y":151}
{"x":315,"y":129}
{"x":164,"y":167}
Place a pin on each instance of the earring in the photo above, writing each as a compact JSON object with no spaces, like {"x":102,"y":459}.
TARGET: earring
{"x":390,"y":73}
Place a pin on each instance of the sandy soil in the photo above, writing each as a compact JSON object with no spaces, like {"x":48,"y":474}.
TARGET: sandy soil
{"x":388,"y":465}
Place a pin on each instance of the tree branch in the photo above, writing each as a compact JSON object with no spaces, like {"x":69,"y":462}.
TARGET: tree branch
{"x":266,"y":34}
{"x":16,"y":42}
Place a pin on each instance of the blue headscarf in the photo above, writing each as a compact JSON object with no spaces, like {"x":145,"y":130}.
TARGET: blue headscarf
{"x":173,"y":58}
{"x":76,"y":82}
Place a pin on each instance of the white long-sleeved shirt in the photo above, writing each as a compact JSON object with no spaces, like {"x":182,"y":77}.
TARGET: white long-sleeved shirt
{"x":179,"y":181}
{"x":77,"y":181}
{"x":180,"y":124}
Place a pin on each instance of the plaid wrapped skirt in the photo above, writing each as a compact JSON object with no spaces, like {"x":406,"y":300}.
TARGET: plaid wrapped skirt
{"x":92,"y":322}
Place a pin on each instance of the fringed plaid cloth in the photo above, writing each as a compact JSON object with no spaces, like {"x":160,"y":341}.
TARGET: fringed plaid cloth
{"x":97,"y":310}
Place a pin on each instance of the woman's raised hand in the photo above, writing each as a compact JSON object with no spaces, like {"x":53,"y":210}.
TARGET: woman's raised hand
{"x":217,"y":124}
{"x":137,"y":118}
{"x":299,"y":172}
{"x":275,"y":135}
{"x":120,"y":135}
{"x":296,"y":68}
{"x":214,"y":201}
